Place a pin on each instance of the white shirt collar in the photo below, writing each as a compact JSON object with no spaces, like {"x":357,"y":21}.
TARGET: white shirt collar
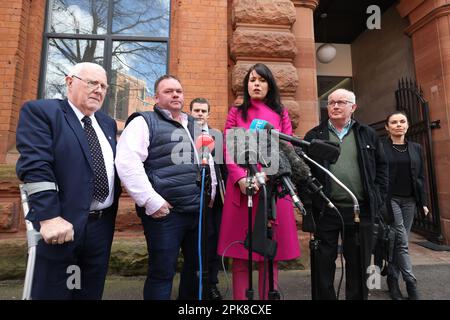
{"x":78,"y":113}
{"x":183,"y":116}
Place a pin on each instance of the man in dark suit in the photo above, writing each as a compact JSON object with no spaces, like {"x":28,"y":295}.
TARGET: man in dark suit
{"x":200,"y":109}
{"x":71,"y":145}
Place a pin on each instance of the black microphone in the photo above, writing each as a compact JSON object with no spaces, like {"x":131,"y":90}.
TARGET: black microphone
{"x":319,"y":149}
{"x":244,"y":151}
{"x":283,"y":175}
{"x":258,"y":124}
{"x":301,"y":173}
{"x":324,"y":150}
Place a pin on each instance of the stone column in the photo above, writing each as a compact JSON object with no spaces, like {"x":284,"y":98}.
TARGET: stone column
{"x":262,"y":33}
{"x":305,"y":64}
{"x":430,"y":34}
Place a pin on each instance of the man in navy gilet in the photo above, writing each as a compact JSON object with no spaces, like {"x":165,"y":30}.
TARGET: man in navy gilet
{"x":156,"y":160}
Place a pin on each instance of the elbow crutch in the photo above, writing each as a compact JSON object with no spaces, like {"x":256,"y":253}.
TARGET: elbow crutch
{"x":33,"y":237}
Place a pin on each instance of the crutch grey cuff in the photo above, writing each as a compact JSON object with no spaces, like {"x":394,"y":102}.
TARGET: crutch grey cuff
{"x":35,"y":187}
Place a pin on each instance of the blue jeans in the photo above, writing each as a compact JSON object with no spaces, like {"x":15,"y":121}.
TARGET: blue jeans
{"x":165,"y":236}
{"x":404,"y":209}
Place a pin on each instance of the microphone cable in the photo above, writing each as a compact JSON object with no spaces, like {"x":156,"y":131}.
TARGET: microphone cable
{"x":341,"y":253}
{"x":227,"y":279}
{"x":202,"y":141}
{"x":199,"y":243}
{"x":265,"y":243}
{"x":242,"y":242}
{"x":356,"y":212}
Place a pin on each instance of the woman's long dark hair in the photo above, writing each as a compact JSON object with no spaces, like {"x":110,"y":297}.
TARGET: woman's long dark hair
{"x":272,"y":98}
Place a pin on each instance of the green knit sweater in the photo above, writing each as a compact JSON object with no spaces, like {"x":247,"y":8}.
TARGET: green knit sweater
{"x":346,"y":169}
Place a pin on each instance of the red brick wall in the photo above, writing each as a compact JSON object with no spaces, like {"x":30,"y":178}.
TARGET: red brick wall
{"x":198,"y":56}
{"x":199,"y":53}
{"x":34,"y":44}
{"x":21,"y":27}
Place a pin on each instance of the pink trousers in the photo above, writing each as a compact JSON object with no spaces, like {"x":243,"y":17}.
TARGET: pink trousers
{"x":240,"y":279}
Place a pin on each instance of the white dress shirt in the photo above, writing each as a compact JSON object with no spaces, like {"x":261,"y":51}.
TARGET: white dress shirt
{"x":212,"y":170}
{"x":108,"y":157}
{"x":132,"y":151}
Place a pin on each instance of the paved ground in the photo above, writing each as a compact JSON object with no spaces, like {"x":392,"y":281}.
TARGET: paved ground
{"x":432,"y":269}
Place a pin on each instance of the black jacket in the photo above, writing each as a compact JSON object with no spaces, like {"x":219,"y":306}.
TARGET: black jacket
{"x":371,"y":161}
{"x":416,"y":170}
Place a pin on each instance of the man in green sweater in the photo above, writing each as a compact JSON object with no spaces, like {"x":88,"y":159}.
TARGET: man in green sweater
{"x":362,"y":167}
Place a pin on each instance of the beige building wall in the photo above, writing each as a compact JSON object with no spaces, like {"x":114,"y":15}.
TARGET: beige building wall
{"x":380,"y":58}
{"x":341,"y":66}
{"x":428,"y":27}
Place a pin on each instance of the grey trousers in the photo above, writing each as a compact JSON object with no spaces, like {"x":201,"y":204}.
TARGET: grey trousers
{"x":404,"y":210}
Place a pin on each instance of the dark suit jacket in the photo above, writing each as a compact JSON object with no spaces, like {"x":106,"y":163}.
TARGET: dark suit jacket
{"x":53,"y":147}
{"x":219,"y":166}
{"x":371,"y":163}
{"x":416,"y":170}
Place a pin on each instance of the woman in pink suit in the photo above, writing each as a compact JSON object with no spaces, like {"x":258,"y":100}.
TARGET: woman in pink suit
{"x":261,"y":101}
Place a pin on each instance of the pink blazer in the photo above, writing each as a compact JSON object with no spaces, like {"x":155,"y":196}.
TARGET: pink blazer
{"x":234,"y":224}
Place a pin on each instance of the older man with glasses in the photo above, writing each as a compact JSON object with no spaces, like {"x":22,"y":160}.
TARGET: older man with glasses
{"x":362,"y":167}
{"x":70,"y":145}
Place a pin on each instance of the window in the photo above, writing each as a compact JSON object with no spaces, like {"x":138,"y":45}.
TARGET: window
{"x":129,"y":38}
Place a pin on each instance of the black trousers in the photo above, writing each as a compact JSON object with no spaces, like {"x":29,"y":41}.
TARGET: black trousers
{"x":357,"y":246}
{"x":214,"y":217}
{"x":214,"y":260}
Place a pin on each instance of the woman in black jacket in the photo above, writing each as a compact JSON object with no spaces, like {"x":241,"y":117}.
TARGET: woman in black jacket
{"x":406,"y":194}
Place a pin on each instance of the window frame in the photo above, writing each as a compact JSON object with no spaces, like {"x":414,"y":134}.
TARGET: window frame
{"x":108,"y":39}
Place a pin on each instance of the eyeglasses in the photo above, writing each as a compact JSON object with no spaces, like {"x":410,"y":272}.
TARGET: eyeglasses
{"x":340,"y":103}
{"x":93,"y":84}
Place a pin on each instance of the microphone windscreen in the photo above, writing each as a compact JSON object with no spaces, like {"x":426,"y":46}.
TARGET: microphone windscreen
{"x":300,"y":170}
{"x":324,"y":150}
{"x":258,"y":124}
{"x":284,"y":167}
{"x":241,"y":146}
{"x":204,"y":141}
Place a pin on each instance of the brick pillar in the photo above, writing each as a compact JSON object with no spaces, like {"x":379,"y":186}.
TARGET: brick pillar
{"x":430,"y":34}
{"x":262,"y":33}
{"x":20,"y":43}
{"x":305,"y":63}
{"x":198,"y":53}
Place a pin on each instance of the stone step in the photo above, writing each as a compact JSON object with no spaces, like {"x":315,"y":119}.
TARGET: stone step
{"x":128,"y":256}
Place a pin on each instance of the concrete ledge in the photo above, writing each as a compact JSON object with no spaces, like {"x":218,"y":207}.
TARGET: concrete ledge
{"x":13,"y":258}
{"x":128,"y":258}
